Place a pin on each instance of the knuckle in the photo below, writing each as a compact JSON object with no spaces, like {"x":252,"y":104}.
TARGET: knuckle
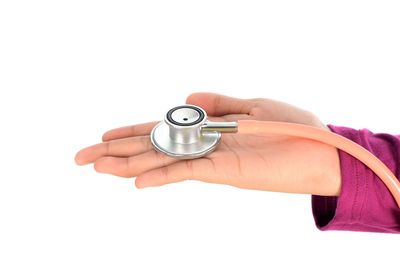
{"x":189,"y":166}
{"x":166,"y":174}
{"x":146,"y":142}
{"x":131,"y":169}
{"x":107,"y":148}
{"x":161,"y":158}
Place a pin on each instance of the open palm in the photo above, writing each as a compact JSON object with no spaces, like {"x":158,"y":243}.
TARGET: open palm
{"x":264,"y":162}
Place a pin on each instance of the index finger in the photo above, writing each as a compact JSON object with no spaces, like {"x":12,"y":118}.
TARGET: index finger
{"x":129,"y":131}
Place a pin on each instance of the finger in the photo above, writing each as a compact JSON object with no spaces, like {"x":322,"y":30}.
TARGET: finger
{"x":237,"y":117}
{"x":202,"y":169}
{"x":232,"y":117}
{"x":133,"y":166}
{"x":219,"y":105}
{"x":129,"y":131}
{"x":119,"y":148}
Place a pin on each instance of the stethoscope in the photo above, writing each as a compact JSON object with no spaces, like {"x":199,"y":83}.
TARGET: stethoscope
{"x":186,"y":133}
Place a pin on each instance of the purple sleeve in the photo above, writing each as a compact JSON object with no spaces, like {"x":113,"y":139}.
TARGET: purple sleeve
{"x":364,"y":204}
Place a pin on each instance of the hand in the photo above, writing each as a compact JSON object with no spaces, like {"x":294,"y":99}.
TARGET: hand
{"x":263,"y":162}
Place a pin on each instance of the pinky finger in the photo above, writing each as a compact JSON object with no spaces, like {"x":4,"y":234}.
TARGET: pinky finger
{"x":202,"y":169}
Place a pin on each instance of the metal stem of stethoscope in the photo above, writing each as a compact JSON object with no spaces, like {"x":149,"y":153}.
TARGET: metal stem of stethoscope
{"x":222,"y":127}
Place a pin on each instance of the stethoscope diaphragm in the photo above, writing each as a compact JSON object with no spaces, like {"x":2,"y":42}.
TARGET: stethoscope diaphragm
{"x":186,"y":133}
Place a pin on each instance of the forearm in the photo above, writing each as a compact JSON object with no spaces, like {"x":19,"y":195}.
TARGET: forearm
{"x":364,"y":203}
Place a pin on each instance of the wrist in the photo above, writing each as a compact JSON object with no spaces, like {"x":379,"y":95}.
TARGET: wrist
{"x":327,"y":176}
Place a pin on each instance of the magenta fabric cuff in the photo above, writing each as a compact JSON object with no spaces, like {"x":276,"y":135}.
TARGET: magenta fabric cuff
{"x":364,"y":203}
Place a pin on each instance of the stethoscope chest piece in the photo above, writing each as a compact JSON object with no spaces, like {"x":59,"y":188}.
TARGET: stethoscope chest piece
{"x":185,"y":133}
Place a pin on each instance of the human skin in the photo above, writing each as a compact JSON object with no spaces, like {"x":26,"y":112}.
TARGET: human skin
{"x":262,"y":162}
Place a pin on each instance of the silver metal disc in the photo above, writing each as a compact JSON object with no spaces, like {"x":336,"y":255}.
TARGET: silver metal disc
{"x":163,"y":143}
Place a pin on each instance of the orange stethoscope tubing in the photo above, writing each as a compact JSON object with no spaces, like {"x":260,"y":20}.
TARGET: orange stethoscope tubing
{"x":329,"y":138}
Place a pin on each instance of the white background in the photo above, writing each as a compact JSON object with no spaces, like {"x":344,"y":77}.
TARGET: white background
{"x":70,"y":70}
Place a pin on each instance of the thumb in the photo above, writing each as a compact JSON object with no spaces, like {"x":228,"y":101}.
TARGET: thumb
{"x":201,"y":169}
{"x":220,"y":105}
